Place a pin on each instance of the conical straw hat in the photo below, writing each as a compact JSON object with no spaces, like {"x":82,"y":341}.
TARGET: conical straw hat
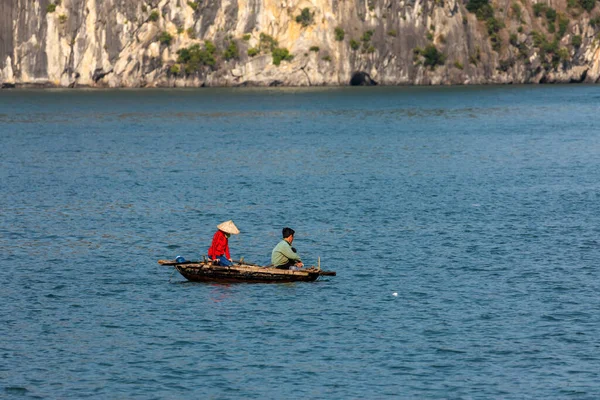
{"x":228,"y":227}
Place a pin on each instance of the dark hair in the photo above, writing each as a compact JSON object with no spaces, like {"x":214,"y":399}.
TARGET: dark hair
{"x":287,"y":232}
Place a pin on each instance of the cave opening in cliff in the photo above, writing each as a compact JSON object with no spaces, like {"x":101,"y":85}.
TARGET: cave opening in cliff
{"x":361,"y":78}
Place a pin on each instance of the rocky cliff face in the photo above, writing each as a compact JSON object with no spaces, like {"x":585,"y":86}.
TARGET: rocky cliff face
{"x":130,"y":43}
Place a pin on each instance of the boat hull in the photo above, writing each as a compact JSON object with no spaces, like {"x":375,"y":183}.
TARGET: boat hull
{"x":205,"y":272}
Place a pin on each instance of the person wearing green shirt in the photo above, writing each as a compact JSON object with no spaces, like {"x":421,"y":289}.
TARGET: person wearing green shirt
{"x":284,"y":255}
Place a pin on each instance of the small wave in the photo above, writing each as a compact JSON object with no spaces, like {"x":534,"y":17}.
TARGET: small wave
{"x":110,"y":326}
{"x":450,"y":351}
{"x":16,"y":390}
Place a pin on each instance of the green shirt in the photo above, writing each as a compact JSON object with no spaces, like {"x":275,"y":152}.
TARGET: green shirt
{"x":283,"y":253}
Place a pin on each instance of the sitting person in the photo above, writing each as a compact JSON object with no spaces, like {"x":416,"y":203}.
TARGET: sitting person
{"x":284,"y":255}
{"x":219,"y":249}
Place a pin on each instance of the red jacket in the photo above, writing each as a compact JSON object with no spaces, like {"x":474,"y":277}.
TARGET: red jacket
{"x":219,"y":246}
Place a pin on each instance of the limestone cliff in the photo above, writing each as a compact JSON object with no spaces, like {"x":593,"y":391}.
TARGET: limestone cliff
{"x":130,"y":43}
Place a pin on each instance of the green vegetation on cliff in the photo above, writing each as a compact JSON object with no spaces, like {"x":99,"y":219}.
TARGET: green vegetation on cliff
{"x":587,"y":5}
{"x":268,"y":44}
{"x":231,"y":51}
{"x":429,"y":56}
{"x":281,"y":54}
{"x":165,"y":38}
{"x":305,"y":18}
{"x":481,"y":8}
{"x":154,"y":15}
{"x":195,"y":57}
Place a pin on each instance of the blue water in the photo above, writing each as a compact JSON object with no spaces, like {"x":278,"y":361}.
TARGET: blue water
{"x":478,"y":206}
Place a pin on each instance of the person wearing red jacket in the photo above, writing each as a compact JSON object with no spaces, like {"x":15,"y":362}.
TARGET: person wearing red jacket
{"x":219,"y":248}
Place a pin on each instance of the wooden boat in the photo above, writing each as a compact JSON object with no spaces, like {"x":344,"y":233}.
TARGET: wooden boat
{"x":206,"y":271}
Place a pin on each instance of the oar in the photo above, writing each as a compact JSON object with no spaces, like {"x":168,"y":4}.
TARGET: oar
{"x":173,"y":262}
{"x":327,"y":273}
